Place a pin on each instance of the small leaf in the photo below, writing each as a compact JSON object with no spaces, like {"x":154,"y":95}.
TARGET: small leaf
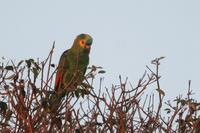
{"x":161,"y":92}
{"x":183,"y":102}
{"x":99,"y":67}
{"x":1,"y":67}
{"x":168,"y":110}
{"x":10,"y":77}
{"x":6,"y":87}
{"x":86,"y":85}
{"x":28,"y":62}
{"x":77,"y":131}
{"x":35,"y":72}
{"x":20,"y":63}
{"x":77,"y":93}
{"x":44,"y":103}
{"x":9,"y":68}
{"x":102,"y":72}
{"x":53,"y":65}
{"x":12,"y":84}
{"x":21,"y":81}
{"x":3,"y":107}
{"x":23,"y":93}
{"x":162,"y":57}
{"x":31,"y":60}
{"x":36,"y":65}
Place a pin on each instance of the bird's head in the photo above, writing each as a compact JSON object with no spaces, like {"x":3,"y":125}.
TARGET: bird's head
{"x":83,"y":42}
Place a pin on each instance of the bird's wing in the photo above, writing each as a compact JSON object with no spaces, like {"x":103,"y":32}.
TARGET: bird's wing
{"x":60,"y":71}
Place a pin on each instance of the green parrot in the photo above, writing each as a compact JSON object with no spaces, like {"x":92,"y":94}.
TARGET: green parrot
{"x":73,"y":64}
{"x":70,"y":73}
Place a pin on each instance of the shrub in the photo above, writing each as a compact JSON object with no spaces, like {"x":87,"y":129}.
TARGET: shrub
{"x":26,"y":87}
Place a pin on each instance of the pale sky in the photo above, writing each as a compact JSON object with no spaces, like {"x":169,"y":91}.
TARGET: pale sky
{"x":127,"y":35}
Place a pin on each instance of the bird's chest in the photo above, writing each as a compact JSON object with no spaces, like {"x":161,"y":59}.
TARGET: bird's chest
{"x":78,"y":62}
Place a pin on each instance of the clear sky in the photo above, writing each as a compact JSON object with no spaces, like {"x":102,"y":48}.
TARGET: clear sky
{"x":127,"y":34}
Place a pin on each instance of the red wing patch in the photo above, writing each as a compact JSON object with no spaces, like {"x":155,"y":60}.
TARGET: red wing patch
{"x":58,"y":81}
{"x":59,"y":74}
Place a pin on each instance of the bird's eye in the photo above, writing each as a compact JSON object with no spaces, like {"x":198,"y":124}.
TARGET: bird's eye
{"x":82,"y":42}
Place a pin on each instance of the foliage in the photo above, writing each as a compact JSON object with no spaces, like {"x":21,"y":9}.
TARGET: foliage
{"x":25,"y":88}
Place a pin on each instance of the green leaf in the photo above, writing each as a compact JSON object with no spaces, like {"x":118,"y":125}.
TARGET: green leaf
{"x":23,"y":93}
{"x":84,"y":92}
{"x":102,"y":72}
{"x":21,"y":81}
{"x":31,"y":60}
{"x":53,"y":65}
{"x":1,"y":67}
{"x":99,"y":67}
{"x":162,"y":57}
{"x":77,"y":131}
{"x":35,"y":72}
{"x":11,"y":77}
{"x":12,"y":84}
{"x":6,"y":87}
{"x":3,"y":107}
{"x":28,"y":62}
{"x":161,"y":91}
{"x":20,"y":63}
{"x":168,"y":110}
{"x":36,"y":65}
{"x":9,"y":68}
{"x":77,"y":93}
{"x":44,"y":103}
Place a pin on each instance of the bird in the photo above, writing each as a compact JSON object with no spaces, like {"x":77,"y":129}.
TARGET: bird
{"x":73,"y":64}
{"x":70,"y":73}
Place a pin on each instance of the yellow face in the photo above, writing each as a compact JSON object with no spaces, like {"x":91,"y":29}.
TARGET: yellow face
{"x":84,"y":41}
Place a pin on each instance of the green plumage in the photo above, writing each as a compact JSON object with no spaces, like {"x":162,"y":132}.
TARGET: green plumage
{"x":70,"y":73}
{"x":73,"y":64}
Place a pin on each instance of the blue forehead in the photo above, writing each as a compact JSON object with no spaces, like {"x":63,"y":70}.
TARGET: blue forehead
{"x":82,"y":36}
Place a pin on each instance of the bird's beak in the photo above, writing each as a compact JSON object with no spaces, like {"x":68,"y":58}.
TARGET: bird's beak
{"x":87,"y":46}
{"x":89,"y":42}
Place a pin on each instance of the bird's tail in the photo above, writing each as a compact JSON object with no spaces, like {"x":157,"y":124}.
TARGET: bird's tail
{"x":55,"y":101}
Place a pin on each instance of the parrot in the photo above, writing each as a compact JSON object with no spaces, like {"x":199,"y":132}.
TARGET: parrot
{"x":73,"y":64}
{"x":70,"y":73}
